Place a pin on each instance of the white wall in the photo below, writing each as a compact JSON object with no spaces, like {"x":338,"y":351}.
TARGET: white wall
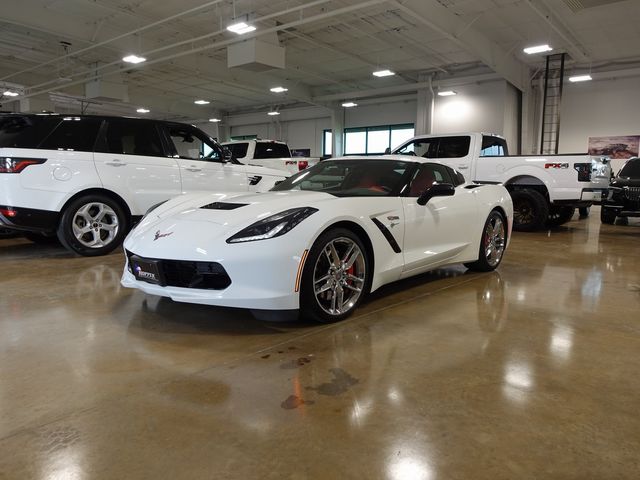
{"x":489,"y":106}
{"x":597,"y":109}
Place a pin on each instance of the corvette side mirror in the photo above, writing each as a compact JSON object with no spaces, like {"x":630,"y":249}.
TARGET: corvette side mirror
{"x":436,"y":190}
{"x":227,"y":155}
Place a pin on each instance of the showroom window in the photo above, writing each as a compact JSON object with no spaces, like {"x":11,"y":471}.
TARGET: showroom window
{"x":237,"y":138}
{"x":375,"y":140}
{"x":327,"y":143}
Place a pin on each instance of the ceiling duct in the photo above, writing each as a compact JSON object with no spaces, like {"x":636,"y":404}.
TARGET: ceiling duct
{"x":257,"y":54}
{"x":100,"y":90}
{"x":579,"y":5}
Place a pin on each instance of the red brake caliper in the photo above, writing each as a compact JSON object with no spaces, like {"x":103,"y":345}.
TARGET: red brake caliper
{"x":350,"y":271}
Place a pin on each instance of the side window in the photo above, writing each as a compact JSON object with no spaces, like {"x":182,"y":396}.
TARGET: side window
{"x":191,"y":144}
{"x":426,"y":148}
{"x":493,"y":147}
{"x":239,"y":150}
{"x":271,"y":150}
{"x":427,"y":175}
{"x":26,"y":131}
{"x":456,"y":177}
{"x":76,"y":134}
{"x":131,"y":137}
{"x":453,"y":147}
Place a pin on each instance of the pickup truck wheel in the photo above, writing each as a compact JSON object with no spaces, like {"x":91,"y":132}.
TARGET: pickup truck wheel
{"x":560,"y":215}
{"x":93,"y":225}
{"x":530,"y":210}
{"x":607,"y":216}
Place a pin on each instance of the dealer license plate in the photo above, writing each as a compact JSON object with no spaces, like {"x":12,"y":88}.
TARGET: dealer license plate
{"x":146,"y":270}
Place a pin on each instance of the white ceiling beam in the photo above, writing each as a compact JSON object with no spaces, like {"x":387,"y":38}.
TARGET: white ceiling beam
{"x":433,"y":15}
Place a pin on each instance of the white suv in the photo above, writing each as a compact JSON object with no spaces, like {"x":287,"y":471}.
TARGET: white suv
{"x":87,"y":179}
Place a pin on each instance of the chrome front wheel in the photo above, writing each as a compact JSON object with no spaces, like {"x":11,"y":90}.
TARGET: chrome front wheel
{"x":335,"y":277}
{"x":495,"y":240}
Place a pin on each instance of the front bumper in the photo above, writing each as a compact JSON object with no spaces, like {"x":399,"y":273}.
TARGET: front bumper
{"x":257,"y":282}
{"x":28,"y":219}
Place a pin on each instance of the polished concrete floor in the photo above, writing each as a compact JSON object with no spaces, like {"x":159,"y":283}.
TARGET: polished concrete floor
{"x":528,"y":372}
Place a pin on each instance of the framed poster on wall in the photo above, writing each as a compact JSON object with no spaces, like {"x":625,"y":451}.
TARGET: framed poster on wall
{"x":618,"y":148}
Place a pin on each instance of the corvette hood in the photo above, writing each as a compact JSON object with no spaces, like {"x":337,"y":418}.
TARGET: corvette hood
{"x":236,"y":209}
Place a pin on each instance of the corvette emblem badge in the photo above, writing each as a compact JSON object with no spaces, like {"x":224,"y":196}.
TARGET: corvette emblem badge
{"x":161,"y":235}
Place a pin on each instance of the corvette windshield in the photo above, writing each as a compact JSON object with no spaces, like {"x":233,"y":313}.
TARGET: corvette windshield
{"x":350,"y":178}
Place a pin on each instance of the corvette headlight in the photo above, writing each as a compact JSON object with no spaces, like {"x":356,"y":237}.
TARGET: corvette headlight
{"x":273,"y":226}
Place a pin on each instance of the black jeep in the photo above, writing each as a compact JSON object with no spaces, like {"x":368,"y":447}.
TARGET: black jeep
{"x":623,"y":197}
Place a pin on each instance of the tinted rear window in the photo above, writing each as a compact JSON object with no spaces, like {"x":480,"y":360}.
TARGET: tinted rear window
{"x":453,"y":147}
{"x":132,"y":137}
{"x":631,"y":169}
{"x":25,"y":131}
{"x":73,"y":133}
{"x":239,"y":150}
{"x":271,"y":150}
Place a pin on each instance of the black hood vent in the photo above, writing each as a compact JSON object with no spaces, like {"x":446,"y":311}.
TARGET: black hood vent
{"x":223,"y":206}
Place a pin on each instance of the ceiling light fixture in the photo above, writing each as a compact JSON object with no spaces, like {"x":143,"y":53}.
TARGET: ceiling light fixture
{"x":383,"y":73}
{"x":133,"y":59}
{"x":447,"y":93}
{"x":143,"y":110}
{"x":349,"y":104}
{"x":202,"y":102}
{"x":9,"y":93}
{"x":215,"y":120}
{"x":279,"y":89}
{"x":580,"y":78}
{"x":537,"y":49}
{"x":273,"y":113}
{"x":241,"y":28}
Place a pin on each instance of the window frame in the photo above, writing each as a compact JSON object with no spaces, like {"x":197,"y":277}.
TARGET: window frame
{"x":389,"y":128}
{"x":166,"y":133}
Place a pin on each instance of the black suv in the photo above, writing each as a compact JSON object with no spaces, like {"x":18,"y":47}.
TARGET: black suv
{"x":623,"y":197}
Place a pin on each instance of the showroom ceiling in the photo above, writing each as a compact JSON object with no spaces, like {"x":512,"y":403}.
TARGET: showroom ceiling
{"x":53,"y":48}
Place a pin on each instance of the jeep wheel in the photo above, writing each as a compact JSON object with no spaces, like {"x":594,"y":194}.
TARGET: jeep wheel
{"x":607,"y":216}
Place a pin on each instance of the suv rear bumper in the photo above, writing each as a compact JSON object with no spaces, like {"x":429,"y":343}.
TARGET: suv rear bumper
{"x":28,"y":219}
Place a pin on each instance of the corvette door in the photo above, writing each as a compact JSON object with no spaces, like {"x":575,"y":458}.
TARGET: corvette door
{"x":439,"y":230}
{"x":130,"y":160}
{"x":200,"y":162}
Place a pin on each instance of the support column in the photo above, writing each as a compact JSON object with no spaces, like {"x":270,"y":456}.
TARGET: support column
{"x":424,"y":114}
{"x":337,"y":128}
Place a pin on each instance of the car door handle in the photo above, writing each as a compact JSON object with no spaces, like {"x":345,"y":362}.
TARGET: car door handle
{"x":193,"y":168}
{"x":115,"y":163}
{"x":463,"y":167}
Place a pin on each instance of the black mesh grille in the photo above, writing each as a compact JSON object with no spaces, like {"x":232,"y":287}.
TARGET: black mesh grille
{"x":632,"y":193}
{"x":188,"y":274}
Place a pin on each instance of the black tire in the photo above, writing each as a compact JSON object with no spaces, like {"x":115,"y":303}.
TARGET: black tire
{"x":42,"y":238}
{"x":310,"y":303}
{"x":530,"y":210}
{"x":607,"y":216}
{"x":559,"y":215}
{"x":497,"y":242}
{"x":107,"y":241}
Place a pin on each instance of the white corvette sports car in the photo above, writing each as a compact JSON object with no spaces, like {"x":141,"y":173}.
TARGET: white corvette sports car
{"x":320,"y":240}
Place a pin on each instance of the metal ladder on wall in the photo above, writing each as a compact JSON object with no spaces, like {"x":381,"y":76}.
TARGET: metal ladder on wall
{"x":553,"y":82}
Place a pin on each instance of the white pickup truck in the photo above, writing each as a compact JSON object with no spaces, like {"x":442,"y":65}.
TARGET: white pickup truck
{"x":545,"y":189}
{"x":268,"y":153}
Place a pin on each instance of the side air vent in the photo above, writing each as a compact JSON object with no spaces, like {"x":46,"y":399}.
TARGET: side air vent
{"x":223,"y":206}
{"x":579,"y":5}
{"x":255,"y":179}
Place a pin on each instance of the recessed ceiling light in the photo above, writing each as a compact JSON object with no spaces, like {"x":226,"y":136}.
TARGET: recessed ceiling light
{"x":9,"y":93}
{"x":143,"y":110}
{"x":537,"y":49}
{"x":241,"y":28}
{"x":447,"y":93}
{"x":580,"y":78}
{"x":349,"y":104}
{"x":279,"y":89}
{"x":273,"y":113}
{"x":202,"y":102}
{"x":215,"y":120}
{"x":383,"y":73}
{"x":133,"y":59}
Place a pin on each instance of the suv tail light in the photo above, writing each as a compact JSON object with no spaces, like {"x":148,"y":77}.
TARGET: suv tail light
{"x":302,"y":164}
{"x":17,"y":165}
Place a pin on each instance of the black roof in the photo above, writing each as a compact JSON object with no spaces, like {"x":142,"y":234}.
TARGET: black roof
{"x":101,"y":117}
